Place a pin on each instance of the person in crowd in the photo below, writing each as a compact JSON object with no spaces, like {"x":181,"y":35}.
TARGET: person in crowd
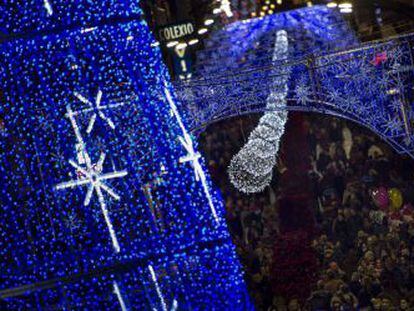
{"x":320,"y":299}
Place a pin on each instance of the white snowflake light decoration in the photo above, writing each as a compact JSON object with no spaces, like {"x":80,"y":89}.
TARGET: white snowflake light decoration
{"x":92,"y":176}
{"x":97,"y":108}
{"x":192,"y":156}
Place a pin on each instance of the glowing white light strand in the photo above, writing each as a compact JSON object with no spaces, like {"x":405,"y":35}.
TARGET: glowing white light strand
{"x":174,"y":305}
{"x":118,"y":294}
{"x":97,"y":108}
{"x":226,"y":8}
{"x":192,"y":156}
{"x":157,"y":288}
{"x":92,"y":176}
{"x":250,"y":170}
{"x":48,"y":7}
{"x":86,"y":30}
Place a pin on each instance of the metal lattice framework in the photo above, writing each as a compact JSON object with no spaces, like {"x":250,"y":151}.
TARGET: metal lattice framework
{"x":371,"y":84}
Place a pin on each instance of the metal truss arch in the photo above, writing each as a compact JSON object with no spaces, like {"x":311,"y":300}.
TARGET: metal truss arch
{"x":372,"y":85}
{"x":202,"y":127}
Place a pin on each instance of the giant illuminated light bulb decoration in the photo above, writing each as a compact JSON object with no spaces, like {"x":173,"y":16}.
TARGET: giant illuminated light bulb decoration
{"x":251,"y":168}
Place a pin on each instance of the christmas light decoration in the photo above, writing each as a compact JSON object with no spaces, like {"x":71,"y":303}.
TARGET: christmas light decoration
{"x":251,"y":168}
{"x":226,"y":8}
{"x":91,"y":175}
{"x":332,"y":4}
{"x":208,"y":22}
{"x":106,"y":203}
{"x":97,"y":108}
{"x":160,"y":296}
{"x":202,"y":31}
{"x":330,"y":73}
{"x":118,"y":294}
{"x":48,"y":7}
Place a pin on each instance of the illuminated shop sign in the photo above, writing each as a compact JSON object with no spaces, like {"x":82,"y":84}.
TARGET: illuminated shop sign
{"x":175,"y":31}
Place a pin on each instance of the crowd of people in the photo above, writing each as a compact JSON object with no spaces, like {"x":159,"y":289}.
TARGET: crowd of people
{"x":355,"y":252}
{"x":365,"y":248}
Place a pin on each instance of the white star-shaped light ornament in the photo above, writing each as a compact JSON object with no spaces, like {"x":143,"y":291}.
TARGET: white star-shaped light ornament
{"x":92,"y":176}
{"x":394,"y":125}
{"x":97,"y":108}
{"x":192,"y":156}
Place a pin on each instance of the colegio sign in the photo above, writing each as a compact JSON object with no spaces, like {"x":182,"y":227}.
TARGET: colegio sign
{"x":175,"y":31}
